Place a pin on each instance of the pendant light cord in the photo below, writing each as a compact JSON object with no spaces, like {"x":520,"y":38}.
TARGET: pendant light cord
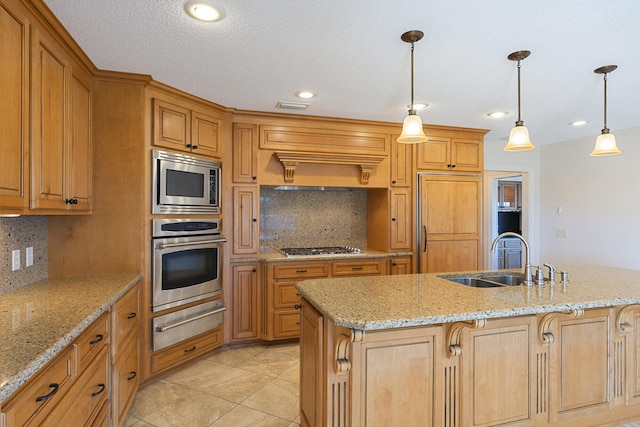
{"x":605,"y":129}
{"x":519,"y":122}
{"x":411,"y":110}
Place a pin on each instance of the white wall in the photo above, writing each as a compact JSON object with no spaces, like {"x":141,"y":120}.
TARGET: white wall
{"x":599,"y":199}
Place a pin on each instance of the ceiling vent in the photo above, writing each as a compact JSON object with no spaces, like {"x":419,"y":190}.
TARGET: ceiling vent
{"x":285,"y":105}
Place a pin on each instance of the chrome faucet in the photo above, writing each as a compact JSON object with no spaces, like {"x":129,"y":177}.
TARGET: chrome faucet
{"x":528,"y":278}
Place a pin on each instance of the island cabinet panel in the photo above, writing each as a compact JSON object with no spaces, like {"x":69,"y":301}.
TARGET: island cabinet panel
{"x":632,"y":392}
{"x":581,"y":383}
{"x":311,"y":367}
{"x":497,"y":369}
{"x":395,"y":379}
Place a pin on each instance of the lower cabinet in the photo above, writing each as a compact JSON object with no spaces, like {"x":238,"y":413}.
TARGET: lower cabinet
{"x":244,"y":301}
{"x":185,"y":351}
{"x":572,"y":369}
{"x":89,"y":380}
{"x":400,"y":265}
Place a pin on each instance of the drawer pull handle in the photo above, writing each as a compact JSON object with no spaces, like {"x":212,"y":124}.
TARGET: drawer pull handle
{"x":297,"y":306}
{"x":133,"y":375}
{"x":164,"y":328}
{"x":102,"y":388}
{"x":131,"y":315}
{"x":99,"y":338}
{"x":55,"y":388}
{"x":301,"y":271}
{"x":357,"y":268}
{"x":189,"y":350}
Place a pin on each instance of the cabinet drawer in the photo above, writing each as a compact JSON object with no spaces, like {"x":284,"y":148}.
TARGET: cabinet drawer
{"x":91,"y":341}
{"x":86,"y":397}
{"x":44,"y":391}
{"x":361,"y":268}
{"x":126,"y":316}
{"x":300,"y":270}
{"x":126,"y":380}
{"x":286,"y":324}
{"x":186,"y":350}
{"x":285,"y":295}
{"x":103,"y":418}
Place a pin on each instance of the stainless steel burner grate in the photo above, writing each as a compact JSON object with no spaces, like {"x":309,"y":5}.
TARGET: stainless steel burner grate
{"x":329,"y":250}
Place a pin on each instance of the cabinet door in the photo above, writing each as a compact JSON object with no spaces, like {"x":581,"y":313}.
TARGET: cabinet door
{"x":126,"y":379}
{"x":205,"y":134}
{"x":245,"y":301}
{"x":51,"y":72}
{"x":434,"y":154}
{"x":497,"y":371}
{"x":400,"y":227}
{"x":171,"y":126}
{"x":245,"y":220}
{"x":400,"y":265}
{"x":400,"y":163}
{"x":244,"y":152}
{"x":579,"y":374}
{"x":466,"y":155}
{"x":79,"y":150}
{"x":14,"y":110}
{"x":450,"y":223}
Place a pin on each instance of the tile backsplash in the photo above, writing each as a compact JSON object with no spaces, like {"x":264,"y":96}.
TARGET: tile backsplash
{"x":312,"y":218}
{"x":20,"y":233}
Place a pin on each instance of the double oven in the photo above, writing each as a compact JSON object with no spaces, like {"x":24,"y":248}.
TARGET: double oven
{"x":186,"y":269}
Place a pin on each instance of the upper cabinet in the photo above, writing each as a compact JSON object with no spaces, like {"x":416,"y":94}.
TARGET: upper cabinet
{"x":45,"y":136}
{"x":60,"y":129}
{"x":245,"y":162}
{"x":14,"y":110}
{"x":453,"y":153}
{"x":182,"y":126}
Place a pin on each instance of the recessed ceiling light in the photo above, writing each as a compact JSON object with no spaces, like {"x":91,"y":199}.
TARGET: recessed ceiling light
{"x":578,"y":123}
{"x":497,"y":114}
{"x":204,"y":10}
{"x":305,"y":94}
{"x":418,"y":106}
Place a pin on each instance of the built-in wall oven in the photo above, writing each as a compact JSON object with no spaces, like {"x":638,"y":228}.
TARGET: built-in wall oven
{"x":187,"y":256}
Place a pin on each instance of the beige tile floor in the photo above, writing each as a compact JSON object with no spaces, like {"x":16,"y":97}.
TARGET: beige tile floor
{"x":248,"y":386}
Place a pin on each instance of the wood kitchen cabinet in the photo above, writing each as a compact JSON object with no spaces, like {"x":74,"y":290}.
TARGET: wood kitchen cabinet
{"x":14,"y":109}
{"x":244,"y":305}
{"x":182,"y":126}
{"x":400,"y":265}
{"x":450,"y":223}
{"x":451,"y":153}
{"x":246,"y":228}
{"x":389,"y":219}
{"x":311,"y":366}
{"x":245,"y":146}
{"x":185,"y":351}
{"x":400,"y":163}
{"x":60,"y":130}
{"x":509,"y":195}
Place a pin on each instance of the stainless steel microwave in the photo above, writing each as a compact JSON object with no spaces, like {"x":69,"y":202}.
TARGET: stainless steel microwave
{"x":185,"y":184}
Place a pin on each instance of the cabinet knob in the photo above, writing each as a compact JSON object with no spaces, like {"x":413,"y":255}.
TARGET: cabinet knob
{"x":393,"y":219}
{"x":189,"y":145}
{"x":195,"y":147}
{"x":254,"y":220}
{"x":453,"y":166}
{"x":393,"y":182}
{"x":254,"y":270}
{"x":297,"y":306}
{"x":254,"y":178}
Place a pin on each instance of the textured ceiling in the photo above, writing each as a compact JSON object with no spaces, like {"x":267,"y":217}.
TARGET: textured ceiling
{"x":351,"y":55}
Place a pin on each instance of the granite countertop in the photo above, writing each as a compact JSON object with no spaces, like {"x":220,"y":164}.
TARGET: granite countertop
{"x":273,"y":255}
{"x":37,"y":321}
{"x":384,"y":302}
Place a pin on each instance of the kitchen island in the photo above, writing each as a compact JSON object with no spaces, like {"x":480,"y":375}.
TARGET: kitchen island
{"x":423,"y":350}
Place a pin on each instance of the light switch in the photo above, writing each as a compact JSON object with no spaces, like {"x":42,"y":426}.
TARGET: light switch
{"x":15,"y":260}
{"x":28,"y":257}
{"x":562,"y":233}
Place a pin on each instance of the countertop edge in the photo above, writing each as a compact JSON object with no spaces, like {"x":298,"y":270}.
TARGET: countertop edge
{"x":11,"y":386}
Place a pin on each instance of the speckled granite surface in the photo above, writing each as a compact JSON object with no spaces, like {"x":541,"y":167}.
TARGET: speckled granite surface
{"x":383,"y":302}
{"x":39,"y":320}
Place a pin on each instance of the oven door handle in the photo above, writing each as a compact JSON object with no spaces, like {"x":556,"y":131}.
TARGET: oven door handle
{"x":161,"y":245}
{"x":164,"y":328}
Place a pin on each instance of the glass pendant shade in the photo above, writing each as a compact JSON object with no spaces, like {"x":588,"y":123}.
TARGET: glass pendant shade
{"x":412,"y":131}
{"x":519,"y":139}
{"x":605,"y":145}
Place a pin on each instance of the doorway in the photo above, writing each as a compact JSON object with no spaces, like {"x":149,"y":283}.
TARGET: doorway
{"x":505,"y":210}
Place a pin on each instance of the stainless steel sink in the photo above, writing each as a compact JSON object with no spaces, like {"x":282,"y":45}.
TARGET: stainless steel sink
{"x":505,"y":279}
{"x":488,"y":281}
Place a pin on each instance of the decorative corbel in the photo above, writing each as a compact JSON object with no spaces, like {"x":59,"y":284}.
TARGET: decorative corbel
{"x":623,"y":322}
{"x":544,"y":332}
{"x":453,"y":337}
{"x":342,"y":363}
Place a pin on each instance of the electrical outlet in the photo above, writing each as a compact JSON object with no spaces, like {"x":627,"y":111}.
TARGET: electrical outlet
{"x":562,"y":233}
{"x":15,"y":260}
{"x":28,"y":257}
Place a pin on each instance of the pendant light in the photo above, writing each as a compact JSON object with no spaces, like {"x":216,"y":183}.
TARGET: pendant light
{"x":412,"y":131}
{"x":519,"y":136}
{"x":606,"y":142}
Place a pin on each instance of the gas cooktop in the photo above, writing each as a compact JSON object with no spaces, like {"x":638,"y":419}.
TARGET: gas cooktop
{"x":330,"y":250}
